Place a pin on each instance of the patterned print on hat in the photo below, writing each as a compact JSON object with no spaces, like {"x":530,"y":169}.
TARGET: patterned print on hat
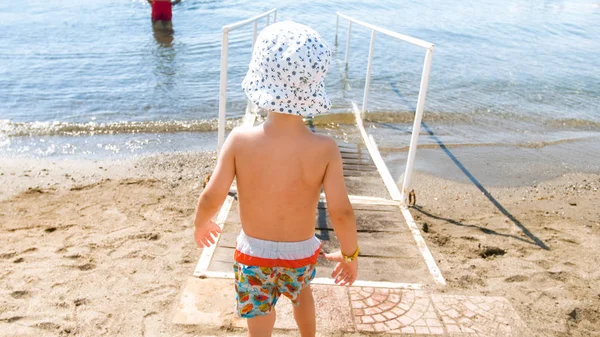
{"x":287,"y":69}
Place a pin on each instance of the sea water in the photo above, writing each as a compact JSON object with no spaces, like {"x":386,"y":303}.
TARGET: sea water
{"x":93,"y":79}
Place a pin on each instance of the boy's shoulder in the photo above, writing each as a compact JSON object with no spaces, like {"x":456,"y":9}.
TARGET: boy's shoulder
{"x":244,"y":131}
{"x":326,"y":144}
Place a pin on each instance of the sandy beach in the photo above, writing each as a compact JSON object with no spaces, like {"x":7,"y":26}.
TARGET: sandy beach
{"x":103,"y":248}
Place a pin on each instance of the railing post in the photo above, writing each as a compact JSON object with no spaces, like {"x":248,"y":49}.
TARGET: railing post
{"x":254,"y":34}
{"x":275,"y":17}
{"x":250,"y":105}
{"x":348,"y":43}
{"x":337,"y":24}
{"x":368,"y":79}
{"x":414,"y":139}
{"x":268,"y":18}
{"x":223,"y":90}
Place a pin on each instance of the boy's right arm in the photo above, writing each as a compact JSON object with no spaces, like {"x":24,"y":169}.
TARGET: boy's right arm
{"x":342,"y":217}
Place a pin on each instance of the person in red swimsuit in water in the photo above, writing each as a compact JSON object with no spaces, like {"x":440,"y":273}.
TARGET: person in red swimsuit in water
{"x":162,"y":14}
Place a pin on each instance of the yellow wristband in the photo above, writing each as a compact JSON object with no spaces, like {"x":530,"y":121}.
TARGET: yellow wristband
{"x":351,"y":257}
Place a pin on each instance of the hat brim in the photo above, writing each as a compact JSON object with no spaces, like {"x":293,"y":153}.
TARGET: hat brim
{"x":295,"y":101}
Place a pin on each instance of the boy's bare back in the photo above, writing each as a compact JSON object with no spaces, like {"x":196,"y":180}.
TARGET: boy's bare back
{"x":280,"y":168}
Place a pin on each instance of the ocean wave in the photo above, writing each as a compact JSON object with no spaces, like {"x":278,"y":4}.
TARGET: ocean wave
{"x":57,"y":128}
{"x":581,"y":124}
{"x":18,"y":129}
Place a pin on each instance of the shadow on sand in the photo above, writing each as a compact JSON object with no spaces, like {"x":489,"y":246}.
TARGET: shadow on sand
{"x":534,"y":240}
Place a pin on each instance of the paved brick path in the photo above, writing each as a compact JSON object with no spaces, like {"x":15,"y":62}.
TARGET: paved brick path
{"x":209,"y":302}
{"x":417,"y":311}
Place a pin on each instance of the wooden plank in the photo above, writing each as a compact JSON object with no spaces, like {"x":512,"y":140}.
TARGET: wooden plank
{"x":376,"y":156}
{"x":348,"y":148}
{"x":410,"y":270}
{"x":368,"y":207}
{"x":367,"y":220}
{"x":362,"y":168}
{"x":222,"y":260}
{"x":229,"y":239}
{"x":351,"y":173}
{"x":356,"y":161}
{"x":347,"y":155}
{"x":367,"y":183}
{"x":378,"y":244}
{"x":406,"y":270}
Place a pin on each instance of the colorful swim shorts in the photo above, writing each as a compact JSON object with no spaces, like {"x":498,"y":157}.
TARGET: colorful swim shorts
{"x":265,"y":270}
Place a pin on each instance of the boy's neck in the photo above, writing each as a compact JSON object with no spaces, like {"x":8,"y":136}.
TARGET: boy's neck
{"x":285,"y":123}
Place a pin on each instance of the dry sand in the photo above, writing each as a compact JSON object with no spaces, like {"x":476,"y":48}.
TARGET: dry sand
{"x":100,"y":256}
{"x":103,"y":248}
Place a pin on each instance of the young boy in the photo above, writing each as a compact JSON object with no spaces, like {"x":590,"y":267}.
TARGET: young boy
{"x":280,"y":167}
{"x":162,"y":13}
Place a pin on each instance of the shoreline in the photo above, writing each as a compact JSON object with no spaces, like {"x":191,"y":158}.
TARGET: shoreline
{"x":487,"y":165}
{"x":529,"y":140}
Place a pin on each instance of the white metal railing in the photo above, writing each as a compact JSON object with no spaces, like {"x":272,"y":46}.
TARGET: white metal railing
{"x":224,"y":65}
{"x":422,"y":90}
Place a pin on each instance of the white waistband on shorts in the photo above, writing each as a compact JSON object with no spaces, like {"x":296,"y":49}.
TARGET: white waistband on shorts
{"x":275,"y":249}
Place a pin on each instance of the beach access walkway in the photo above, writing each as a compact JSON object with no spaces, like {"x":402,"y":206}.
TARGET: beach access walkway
{"x":398,"y":290}
{"x":399,"y":287}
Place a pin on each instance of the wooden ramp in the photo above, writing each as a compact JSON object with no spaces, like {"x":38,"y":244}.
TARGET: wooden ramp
{"x":390,"y":255}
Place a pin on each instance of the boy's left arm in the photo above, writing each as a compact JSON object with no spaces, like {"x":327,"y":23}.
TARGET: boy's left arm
{"x":215,"y":193}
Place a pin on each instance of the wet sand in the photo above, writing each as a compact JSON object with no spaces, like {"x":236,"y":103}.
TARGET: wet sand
{"x":103,"y":248}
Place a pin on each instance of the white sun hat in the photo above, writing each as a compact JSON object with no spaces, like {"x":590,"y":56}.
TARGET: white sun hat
{"x":286,"y":73}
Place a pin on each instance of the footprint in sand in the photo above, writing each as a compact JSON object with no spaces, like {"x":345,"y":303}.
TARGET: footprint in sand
{"x":7,"y":255}
{"x":87,"y":266}
{"x":13,"y":319}
{"x":147,"y":236}
{"x":50,"y":229}
{"x":516,"y":278}
{"x":81,"y":301}
{"x":20,"y":294}
{"x":47,"y":326}
{"x":19,"y":260}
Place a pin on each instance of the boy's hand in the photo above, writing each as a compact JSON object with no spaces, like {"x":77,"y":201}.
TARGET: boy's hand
{"x":204,"y":235}
{"x":344,"y":273}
